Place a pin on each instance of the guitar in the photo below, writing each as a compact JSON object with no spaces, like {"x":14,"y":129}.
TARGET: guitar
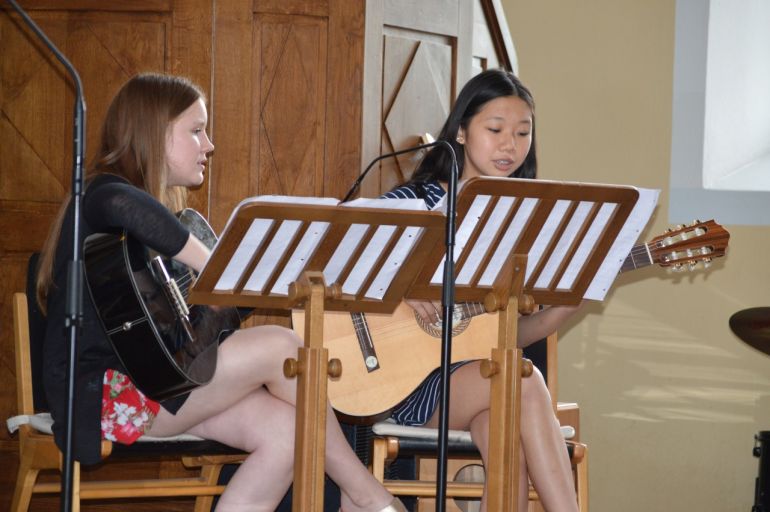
{"x":167,"y":347}
{"x":385,"y":357}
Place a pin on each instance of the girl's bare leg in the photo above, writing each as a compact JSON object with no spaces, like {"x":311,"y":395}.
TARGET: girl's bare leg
{"x":251,"y":360}
{"x":544,"y":456}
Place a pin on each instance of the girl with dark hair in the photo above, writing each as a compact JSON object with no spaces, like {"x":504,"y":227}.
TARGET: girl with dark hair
{"x":492,"y":130}
{"x":153,"y":147}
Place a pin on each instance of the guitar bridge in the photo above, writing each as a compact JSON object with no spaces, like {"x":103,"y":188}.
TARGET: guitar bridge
{"x":174,"y":296}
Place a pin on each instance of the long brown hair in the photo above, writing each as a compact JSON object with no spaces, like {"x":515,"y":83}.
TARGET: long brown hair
{"x":133,"y":146}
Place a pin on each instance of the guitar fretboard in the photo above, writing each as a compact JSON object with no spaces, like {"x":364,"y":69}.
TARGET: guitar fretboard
{"x":638,"y":257}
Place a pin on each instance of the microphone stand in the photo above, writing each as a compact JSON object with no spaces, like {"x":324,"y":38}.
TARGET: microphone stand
{"x":74,"y":299}
{"x":447,"y":308}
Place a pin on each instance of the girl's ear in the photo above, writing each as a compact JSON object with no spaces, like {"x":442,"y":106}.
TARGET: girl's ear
{"x":460,"y":136}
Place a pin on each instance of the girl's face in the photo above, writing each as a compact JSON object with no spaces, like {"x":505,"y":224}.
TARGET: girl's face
{"x":188,"y":146}
{"x":498,"y":138}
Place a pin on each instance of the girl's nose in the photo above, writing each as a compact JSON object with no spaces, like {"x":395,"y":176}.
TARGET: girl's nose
{"x":509,"y":144}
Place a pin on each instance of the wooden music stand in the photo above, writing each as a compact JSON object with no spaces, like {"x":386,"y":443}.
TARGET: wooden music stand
{"x":281,"y":254}
{"x":521,"y":242}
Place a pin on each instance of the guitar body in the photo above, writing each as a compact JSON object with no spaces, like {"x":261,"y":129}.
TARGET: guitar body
{"x":406,"y":353}
{"x":164,"y":353}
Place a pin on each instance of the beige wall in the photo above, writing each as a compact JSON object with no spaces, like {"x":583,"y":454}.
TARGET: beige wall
{"x":670,"y":399}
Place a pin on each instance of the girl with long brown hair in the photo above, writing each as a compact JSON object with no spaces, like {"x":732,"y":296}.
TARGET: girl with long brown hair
{"x":153,"y":147}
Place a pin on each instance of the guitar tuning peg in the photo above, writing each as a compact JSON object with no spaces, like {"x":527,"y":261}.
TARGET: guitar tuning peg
{"x":679,"y":226}
{"x":677,"y":267}
{"x":693,"y":264}
{"x":695,"y":222}
{"x":706,"y":262}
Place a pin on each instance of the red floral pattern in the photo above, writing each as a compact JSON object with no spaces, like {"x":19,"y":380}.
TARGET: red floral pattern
{"x":126,"y":412}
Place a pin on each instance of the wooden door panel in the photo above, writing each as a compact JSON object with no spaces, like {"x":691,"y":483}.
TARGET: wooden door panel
{"x":418,"y":51}
{"x":291,"y":51}
{"x":416,"y":99}
{"x":37,"y":102}
{"x":419,"y":56}
{"x":287,"y":131}
{"x":33,"y":116}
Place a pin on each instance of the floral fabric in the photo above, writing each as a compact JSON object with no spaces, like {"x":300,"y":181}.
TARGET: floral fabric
{"x":126,"y":412}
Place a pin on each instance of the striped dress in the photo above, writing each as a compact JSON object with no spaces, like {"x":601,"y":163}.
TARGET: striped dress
{"x":417,"y":408}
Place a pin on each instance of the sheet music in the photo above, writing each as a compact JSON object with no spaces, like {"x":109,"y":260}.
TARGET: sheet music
{"x":632,"y":229}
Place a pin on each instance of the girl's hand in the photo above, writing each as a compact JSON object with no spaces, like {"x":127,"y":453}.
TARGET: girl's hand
{"x":429,"y":312}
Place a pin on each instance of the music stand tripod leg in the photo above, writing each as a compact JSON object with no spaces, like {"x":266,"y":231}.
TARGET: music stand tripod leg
{"x":505,"y":369}
{"x":311,"y":370}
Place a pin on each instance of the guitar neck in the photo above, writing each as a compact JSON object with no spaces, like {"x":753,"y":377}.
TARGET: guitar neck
{"x":639,"y":257}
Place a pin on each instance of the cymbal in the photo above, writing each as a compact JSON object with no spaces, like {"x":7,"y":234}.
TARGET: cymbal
{"x":753,"y":326}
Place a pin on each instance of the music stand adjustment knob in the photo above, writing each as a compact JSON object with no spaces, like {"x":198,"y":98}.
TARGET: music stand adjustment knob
{"x":291,"y":368}
{"x":334,"y":369}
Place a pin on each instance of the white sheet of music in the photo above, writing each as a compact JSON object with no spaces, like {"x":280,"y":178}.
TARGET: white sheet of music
{"x":629,"y":235}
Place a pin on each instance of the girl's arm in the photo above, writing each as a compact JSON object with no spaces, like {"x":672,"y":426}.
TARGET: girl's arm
{"x":194,"y":254}
{"x":532,"y":328}
{"x":543,"y":323}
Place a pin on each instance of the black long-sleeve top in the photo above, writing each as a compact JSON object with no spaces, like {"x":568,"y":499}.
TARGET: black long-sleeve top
{"x":110,"y":205}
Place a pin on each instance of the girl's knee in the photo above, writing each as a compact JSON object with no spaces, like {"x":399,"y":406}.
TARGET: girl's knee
{"x":273,"y":338}
{"x":534,"y":387}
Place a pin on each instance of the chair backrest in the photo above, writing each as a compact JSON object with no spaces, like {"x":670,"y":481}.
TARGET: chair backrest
{"x":36,"y":322}
{"x":24,"y":395}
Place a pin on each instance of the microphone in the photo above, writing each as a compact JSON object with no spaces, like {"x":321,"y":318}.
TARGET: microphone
{"x":447,"y":305}
{"x":431,"y":143}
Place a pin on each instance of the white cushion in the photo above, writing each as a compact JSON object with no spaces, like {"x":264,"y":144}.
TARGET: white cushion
{"x":42,"y":422}
{"x":391,"y":428}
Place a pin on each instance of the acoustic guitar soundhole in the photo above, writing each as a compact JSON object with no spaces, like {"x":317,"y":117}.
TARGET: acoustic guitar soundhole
{"x":459,"y":323}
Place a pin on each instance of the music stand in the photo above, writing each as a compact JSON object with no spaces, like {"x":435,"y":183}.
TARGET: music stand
{"x":521,"y":242}
{"x":280,"y":253}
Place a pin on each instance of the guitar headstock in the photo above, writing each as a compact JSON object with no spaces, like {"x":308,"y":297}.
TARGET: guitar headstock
{"x":683,"y":247}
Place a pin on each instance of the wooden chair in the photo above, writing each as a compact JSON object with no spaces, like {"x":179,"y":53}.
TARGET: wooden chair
{"x":391,"y":441}
{"x":37,"y":450}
